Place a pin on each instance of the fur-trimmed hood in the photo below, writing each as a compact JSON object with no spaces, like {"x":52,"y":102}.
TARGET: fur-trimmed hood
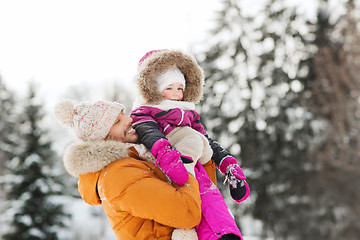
{"x":160,"y":61}
{"x":84,"y":157}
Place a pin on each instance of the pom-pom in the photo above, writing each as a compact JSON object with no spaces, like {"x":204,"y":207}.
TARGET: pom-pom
{"x":64,"y":112}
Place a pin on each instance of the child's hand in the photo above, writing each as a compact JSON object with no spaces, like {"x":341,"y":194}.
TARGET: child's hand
{"x":235,"y":170}
{"x":239,"y":188}
{"x":230,"y":164}
{"x":170,"y":161}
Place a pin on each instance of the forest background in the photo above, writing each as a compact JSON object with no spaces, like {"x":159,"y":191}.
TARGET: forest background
{"x":281,"y":94}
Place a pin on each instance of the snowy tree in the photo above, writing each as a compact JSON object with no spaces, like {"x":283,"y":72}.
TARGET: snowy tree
{"x":333,"y":97}
{"x":7,"y":124}
{"x":31,"y":186}
{"x":8,"y":138}
{"x":259,"y":70}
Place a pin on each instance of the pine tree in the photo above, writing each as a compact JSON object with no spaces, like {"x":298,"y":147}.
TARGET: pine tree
{"x":32,"y":187}
{"x":333,"y":98}
{"x":258,"y":68}
{"x":7,"y":141}
{"x":7,"y":125}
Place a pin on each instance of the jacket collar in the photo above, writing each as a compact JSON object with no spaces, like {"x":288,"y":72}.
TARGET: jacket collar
{"x":84,"y":157}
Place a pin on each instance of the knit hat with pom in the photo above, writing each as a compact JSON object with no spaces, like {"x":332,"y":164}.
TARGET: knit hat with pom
{"x":91,"y":121}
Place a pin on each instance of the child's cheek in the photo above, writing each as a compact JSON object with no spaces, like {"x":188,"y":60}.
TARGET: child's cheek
{"x":167,"y":95}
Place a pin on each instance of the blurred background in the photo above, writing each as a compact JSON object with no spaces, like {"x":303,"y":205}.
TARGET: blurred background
{"x":281,"y":94}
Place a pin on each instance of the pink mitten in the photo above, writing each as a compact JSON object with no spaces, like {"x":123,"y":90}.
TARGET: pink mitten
{"x":170,"y":161}
{"x":239,"y":188}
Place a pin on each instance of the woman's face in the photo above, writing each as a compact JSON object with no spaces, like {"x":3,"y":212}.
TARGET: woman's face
{"x":122,"y":130}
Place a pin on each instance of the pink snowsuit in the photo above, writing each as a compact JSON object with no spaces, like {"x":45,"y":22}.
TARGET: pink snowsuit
{"x":152,"y":124}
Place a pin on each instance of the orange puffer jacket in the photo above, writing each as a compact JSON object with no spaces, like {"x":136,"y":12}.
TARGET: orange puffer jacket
{"x":136,"y":195}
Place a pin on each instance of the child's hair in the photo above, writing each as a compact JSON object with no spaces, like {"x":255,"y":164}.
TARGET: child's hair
{"x":90,"y":121}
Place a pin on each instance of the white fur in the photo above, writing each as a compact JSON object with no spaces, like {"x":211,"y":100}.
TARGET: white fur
{"x":91,"y":156}
{"x":184,"y":234}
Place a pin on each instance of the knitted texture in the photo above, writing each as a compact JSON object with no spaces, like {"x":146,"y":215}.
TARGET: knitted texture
{"x":90,"y":121}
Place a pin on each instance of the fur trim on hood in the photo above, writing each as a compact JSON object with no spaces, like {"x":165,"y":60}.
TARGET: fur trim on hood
{"x":160,"y":61}
{"x":91,"y":156}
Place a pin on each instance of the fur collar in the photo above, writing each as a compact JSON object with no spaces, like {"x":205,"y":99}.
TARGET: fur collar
{"x":91,"y":156}
{"x":162,"y":60}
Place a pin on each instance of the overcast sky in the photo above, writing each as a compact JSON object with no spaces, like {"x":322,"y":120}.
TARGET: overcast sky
{"x":58,"y":43}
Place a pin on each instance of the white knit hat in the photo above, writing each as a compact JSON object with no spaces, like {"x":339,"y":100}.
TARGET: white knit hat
{"x":170,"y":76}
{"x":91,"y":121}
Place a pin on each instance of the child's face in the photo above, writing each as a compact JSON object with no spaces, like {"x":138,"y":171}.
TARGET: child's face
{"x":122,"y":130}
{"x":173,"y":92}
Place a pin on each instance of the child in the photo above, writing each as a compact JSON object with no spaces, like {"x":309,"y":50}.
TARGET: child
{"x":170,"y":83}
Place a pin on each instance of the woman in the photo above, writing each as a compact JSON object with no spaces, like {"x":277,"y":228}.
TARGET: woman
{"x":135,"y":194}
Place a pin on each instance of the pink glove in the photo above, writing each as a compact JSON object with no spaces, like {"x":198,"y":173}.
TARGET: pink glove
{"x":170,"y":161}
{"x":239,"y":188}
